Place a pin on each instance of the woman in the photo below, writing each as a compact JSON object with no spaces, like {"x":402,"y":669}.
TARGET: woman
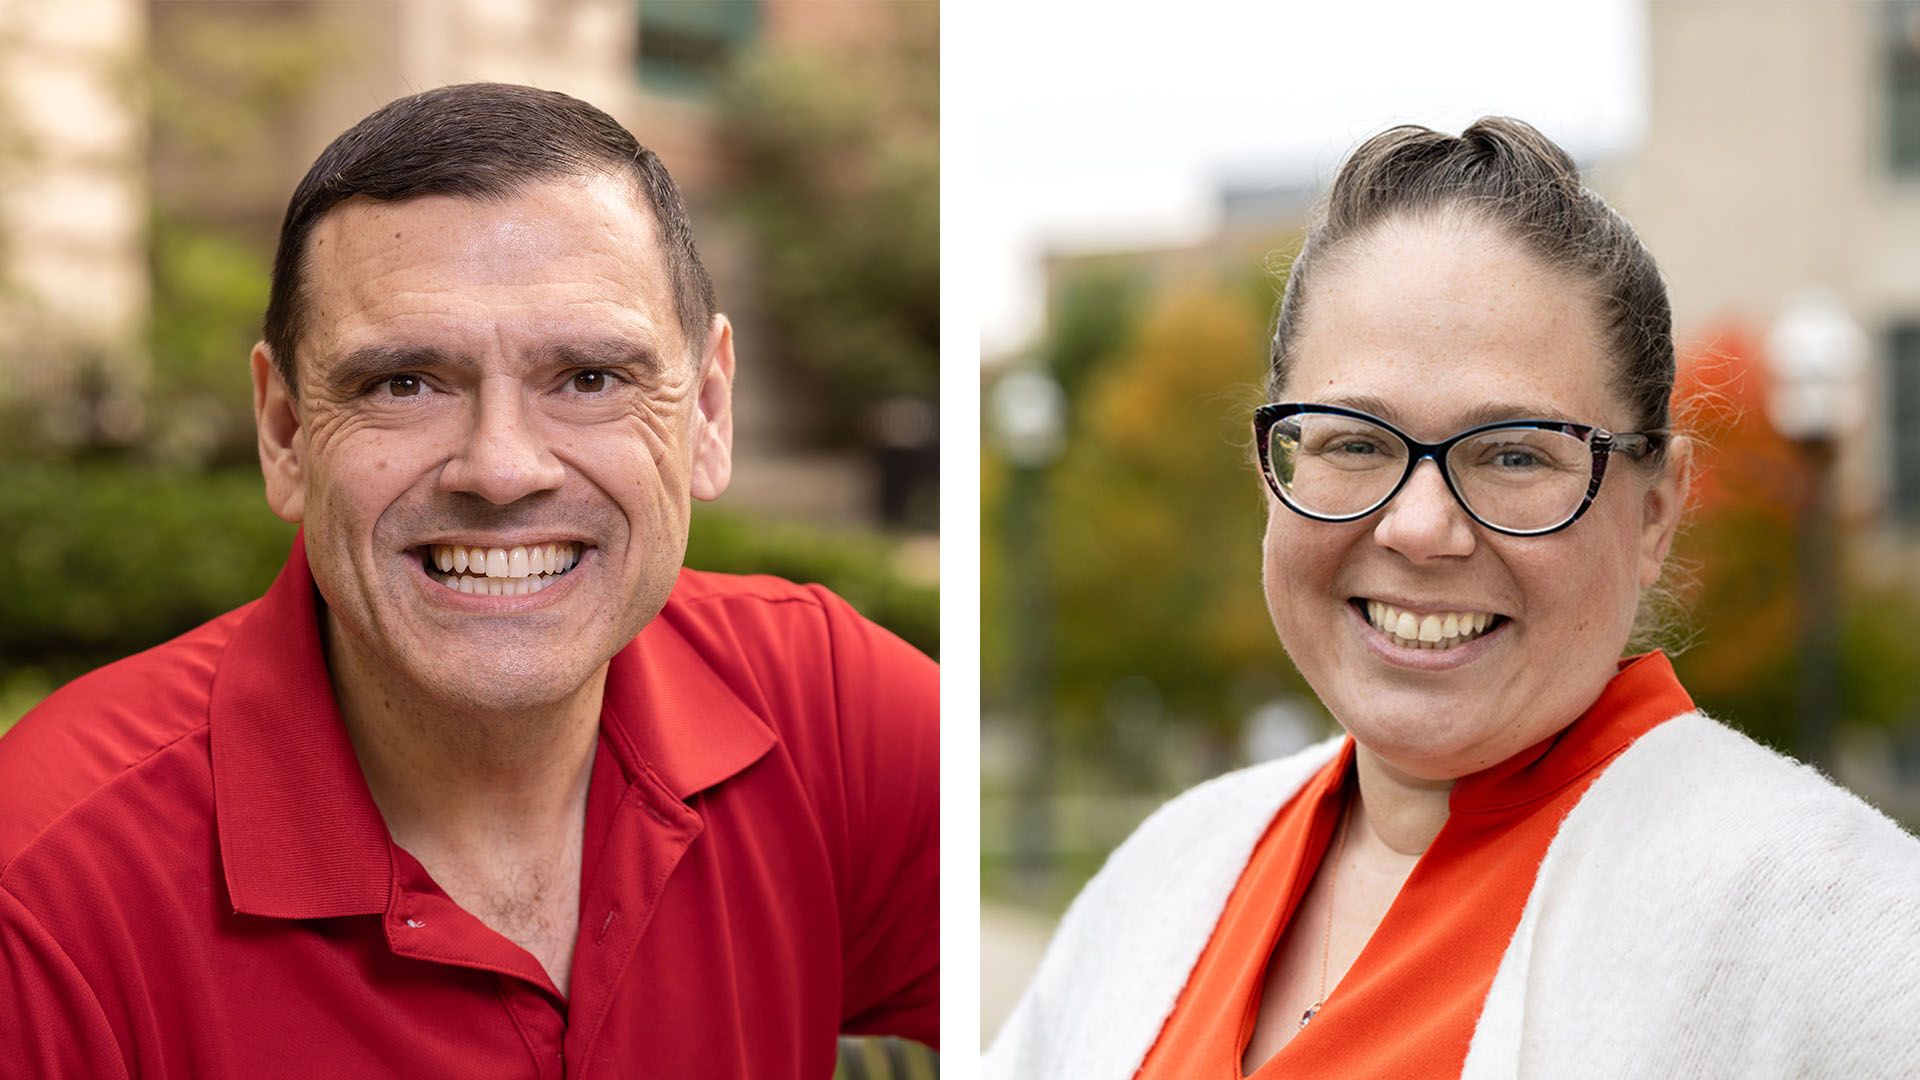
{"x":1528,"y":856}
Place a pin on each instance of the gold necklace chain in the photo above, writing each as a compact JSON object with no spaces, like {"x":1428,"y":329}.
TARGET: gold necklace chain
{"x":1326,"y":949}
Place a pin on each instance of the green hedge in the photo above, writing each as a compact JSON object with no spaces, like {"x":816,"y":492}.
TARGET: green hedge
{"x":106,"y":560}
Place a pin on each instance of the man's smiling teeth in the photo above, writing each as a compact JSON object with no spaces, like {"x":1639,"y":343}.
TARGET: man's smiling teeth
{"x":1441,"y":630}
{"x":496,"y":571}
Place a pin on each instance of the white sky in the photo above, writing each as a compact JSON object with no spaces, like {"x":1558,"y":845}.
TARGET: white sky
{"x":1109,"y":124}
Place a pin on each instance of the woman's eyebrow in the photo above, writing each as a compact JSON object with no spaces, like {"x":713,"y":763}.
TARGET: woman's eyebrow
{"x":1485,"y":413}
{"x":1495,"y":411}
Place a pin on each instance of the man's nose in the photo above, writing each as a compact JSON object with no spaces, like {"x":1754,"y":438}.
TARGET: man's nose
{"x":504,"y":456}
{"x":1424,"y":521}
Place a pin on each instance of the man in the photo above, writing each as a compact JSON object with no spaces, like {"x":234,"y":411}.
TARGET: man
{"x":485,"y":785}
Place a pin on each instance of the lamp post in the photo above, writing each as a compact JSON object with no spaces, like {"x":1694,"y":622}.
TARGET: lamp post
{"x":1815,"y":355}
{"x":1028,"y":409}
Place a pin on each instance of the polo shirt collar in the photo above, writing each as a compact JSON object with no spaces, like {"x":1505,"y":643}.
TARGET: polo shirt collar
{"x":668,"y":706}
{"x":300,"y":836}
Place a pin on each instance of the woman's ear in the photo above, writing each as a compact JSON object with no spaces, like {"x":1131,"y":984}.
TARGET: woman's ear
{"x":1663,"y":506}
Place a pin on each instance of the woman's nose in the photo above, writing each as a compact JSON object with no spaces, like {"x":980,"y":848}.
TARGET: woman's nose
{"x":1424,"y":521}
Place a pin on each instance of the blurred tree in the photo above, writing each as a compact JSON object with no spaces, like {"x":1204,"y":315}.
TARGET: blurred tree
{"x":1743,"y":663}
{"x":209,"y":292}
{"x":1155,"y":525}
{"x":1095,"y":313}
{"x":224,"y":87}
{"x":836,"y":170}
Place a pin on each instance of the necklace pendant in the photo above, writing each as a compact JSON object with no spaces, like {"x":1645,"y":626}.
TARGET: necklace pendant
{"x":1309,"y":1014}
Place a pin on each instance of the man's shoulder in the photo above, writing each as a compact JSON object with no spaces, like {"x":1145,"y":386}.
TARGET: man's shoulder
{"x":797,"y":656}
{"x":707,"y":588}
{"x":762,"y":616}
{"x":98,"y":728}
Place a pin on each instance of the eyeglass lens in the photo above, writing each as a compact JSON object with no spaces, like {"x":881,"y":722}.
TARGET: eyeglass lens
{"x":1512,"y":478}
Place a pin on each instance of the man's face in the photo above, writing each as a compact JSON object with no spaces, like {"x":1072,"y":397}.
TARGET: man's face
{"x":504,"y":381}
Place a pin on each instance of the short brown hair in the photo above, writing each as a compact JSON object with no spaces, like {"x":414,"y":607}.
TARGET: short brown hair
{"x":477,"y":141}
{"x":1505,"y":173}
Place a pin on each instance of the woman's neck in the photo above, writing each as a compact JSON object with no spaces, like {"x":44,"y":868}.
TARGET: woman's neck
{"x":1400,"y":812}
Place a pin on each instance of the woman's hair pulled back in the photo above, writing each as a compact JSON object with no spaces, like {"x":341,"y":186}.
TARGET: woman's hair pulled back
{"x":1506,"y":174}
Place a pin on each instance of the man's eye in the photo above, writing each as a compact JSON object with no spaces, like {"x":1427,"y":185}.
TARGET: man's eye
{"x":591,"y":382}
{"x":403,"y":385}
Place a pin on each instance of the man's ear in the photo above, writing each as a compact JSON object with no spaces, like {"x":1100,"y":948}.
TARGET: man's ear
{"x":276,"y":418}
{"x":713,"y":414}
{"x":1664,"y":505}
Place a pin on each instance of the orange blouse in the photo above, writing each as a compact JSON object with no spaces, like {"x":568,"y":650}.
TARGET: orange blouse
{"x":1408,"y":1006}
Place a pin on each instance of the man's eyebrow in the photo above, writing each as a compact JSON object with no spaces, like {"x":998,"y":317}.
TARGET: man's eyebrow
{"x":369,"y":361}
{"x":606,"y":353}
{"x":1486,"y":413}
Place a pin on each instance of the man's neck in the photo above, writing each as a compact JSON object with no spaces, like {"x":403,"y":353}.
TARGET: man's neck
{"x":492,"y":803}
{"x":460,"y":781}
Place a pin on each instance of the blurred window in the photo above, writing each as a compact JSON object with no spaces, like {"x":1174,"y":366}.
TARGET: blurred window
{"x":1905,"y":364}
{"x":686,"y":45}
{"x":1900,"y":30}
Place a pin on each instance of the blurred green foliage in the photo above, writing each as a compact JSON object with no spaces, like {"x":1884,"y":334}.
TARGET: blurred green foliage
{"x":835,"y":162}
{"x":1150,"y":526}
{"x":1155,"y":521}
{"x":862,"y":568}
{"x":109,"y":559}
{"x":209,"y":290}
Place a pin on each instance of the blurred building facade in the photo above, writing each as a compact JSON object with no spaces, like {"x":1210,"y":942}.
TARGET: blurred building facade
{"x":73,"y":287}
{"x":212,"y":110}
{"x":1783,"y":153}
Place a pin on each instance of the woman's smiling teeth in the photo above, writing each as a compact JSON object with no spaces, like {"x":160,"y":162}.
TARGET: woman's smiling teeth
{"x":1439,"y":630}
{"x":513,"y":571}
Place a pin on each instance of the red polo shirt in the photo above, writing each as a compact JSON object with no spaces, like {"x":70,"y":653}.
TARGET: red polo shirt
{"x":195,"y":882}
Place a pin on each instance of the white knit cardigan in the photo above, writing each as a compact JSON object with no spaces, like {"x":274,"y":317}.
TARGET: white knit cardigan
{"x":1708,"y":909}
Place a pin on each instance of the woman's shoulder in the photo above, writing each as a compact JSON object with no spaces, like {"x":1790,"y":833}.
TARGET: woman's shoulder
{"x":1708,"y":787}
{"x":1744,"y":827}
{"x":1123,"y":949}
{"x":1728,"y":904}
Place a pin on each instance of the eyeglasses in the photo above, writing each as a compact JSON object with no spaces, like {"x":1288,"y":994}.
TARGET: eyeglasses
{"x":1518,"y":477}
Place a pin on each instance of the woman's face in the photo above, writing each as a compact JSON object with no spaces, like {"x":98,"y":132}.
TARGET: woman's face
{"x":1427,"y":325}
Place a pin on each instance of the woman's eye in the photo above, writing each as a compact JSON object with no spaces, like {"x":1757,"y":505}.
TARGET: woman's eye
{"x":1351,"y":448}
{"x":1516,"y":459}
